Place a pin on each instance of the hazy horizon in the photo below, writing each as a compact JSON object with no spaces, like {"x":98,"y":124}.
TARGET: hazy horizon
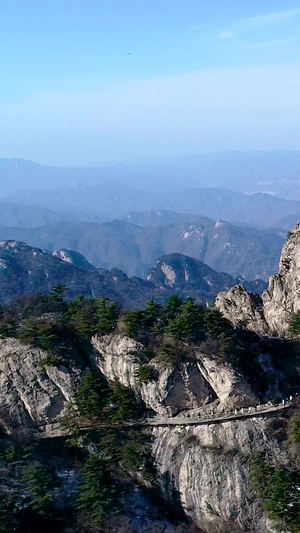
{"x":154,"y":159}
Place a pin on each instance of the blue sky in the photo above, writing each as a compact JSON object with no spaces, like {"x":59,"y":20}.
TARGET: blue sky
{"x":84,"y":81}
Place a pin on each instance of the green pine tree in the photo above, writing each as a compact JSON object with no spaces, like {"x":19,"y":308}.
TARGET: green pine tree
{"x":98,"y":490}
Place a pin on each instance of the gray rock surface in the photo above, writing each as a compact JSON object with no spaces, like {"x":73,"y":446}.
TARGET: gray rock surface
{"x":243,"y":308}
{"x":175,"y":389}
{"x":271,"y":313}
{"x":207,"y":467}
{"x":282,"y":298}
{"x":189,"y":385}
{"x":31,"y":393}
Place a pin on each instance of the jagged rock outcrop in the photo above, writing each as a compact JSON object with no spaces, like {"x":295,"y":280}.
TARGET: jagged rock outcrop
{"x":282,"y":298}
{"x":31,"y":393}
{"x":230,"y":387}
{"x":271,"y":313}
{"x":243,"y":308}
{"x":189,"y":385}
{"x":74,"y":258}
{"x":175,"y":389}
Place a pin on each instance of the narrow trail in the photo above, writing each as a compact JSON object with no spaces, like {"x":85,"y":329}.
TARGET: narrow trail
{"x":248,"y":412}
{"x":55,"y":429}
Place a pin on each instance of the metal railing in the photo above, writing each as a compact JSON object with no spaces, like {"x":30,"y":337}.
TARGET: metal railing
{"x":55,"y":429}
{"x":208,"y":418}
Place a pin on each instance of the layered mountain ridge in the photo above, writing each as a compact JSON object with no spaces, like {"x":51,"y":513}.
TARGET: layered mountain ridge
{"x":117,"y":199}
{"x":276,"y":171}
{"x":239,"y":251}
{"x":26,"y":270}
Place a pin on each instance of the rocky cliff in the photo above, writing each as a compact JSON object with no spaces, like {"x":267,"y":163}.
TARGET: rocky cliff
{"x":32,"y":392}
{"x":204,"y":468}
{"x":271,"y":313}
{"x":192,"y":384}
{"x":208,"y":467}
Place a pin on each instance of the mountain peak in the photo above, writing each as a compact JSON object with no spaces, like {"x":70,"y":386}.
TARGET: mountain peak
{"x":272,"y":312}
{"x":189,"y":274}
{"x":11,"y":245}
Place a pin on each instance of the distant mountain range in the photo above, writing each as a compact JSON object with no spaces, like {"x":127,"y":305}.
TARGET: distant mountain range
{"x":276,"y":172}
{"x":240,"y":251}
{"x":32,"y":216}
{"x":110,"y":201}
{"x":25,"y":270}
{"x":125,"y":216}
{"x":161,"y":218}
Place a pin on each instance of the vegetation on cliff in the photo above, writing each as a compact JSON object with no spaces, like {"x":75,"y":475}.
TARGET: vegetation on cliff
{"x":106,"y":454}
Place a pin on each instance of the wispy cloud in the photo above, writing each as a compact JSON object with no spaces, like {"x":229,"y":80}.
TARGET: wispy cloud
{"x":226,"y":35}
{"x":266,"y":31}
{"x":272,"y":18}
{"x":271,"y":43}
{"x":242,"y":28}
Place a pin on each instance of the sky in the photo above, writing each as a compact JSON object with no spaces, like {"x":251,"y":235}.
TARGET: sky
{"x":90,"y":81}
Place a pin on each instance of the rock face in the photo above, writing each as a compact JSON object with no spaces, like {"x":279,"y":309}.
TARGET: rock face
{"x":242,"y":307}
{"x":271,"y":313}
{"x":74,"y":258}
{"x":191,"y":276}
{"x":31,"y":393}
{"x":186,"y":386}
{"x":282,"y":298}
{"x":208,"y":468}
{"x":204,"y":468}
{"x":175,"y":389}
{"x":230,"y":387}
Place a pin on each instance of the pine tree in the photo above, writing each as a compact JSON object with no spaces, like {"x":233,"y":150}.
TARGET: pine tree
{"x":295,"y":324}
{"x":57,"y":293}
{"x":98,"y":490}
{"x":107,"y":316}
{"x":40,"y":479}
{"x":188,"y":324}
{"x":92,"y":396}
{"x":215,"y":324}
{"x":173,"y":308}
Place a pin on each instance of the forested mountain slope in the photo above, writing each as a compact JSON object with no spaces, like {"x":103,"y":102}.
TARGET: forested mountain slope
{"x":92,"y":404}
{"x":25,"y":270}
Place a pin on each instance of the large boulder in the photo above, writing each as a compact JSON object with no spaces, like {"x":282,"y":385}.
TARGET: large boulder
{"x":272,"y":312}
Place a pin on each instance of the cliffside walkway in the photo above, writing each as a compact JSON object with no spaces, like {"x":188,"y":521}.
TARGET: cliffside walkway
{"x":56,"y":430}
{"x":244,"y":412}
